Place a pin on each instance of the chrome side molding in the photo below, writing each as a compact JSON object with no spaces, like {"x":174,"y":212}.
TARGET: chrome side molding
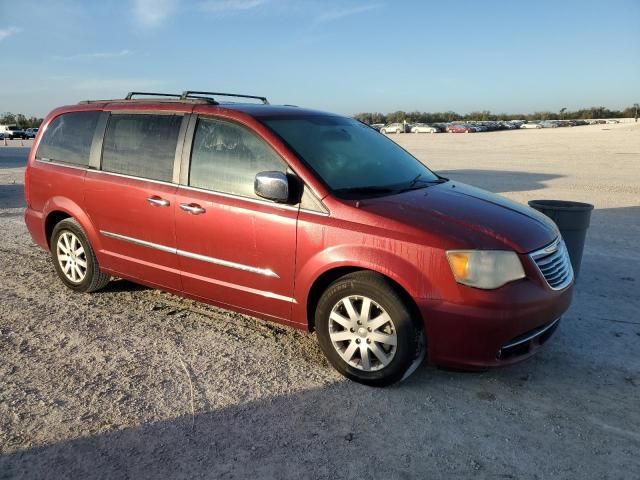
{"x":267,"y":272}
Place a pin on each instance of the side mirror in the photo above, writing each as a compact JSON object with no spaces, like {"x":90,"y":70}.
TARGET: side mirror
{"x":272,"y":186}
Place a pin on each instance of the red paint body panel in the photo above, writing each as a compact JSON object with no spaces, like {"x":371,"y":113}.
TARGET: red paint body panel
{"x":247,"y":233}
{"x":118,"y":205}
{"x":262,"y":258}
{"x":469,"y":332}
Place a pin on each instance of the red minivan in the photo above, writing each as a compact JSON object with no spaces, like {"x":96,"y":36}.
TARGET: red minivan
{"x":300,"y":217}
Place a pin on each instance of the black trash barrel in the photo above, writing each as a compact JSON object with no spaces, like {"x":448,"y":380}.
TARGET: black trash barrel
{"x":572,"y":219}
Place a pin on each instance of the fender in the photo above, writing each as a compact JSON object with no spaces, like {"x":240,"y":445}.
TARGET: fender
{"x":68,"y":206}
{"x":410,"y":272}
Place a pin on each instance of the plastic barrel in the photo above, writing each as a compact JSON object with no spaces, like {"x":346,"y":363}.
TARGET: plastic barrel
{"x":572,"y":219}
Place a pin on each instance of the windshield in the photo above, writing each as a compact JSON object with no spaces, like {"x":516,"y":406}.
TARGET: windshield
{"x":352,"y":159}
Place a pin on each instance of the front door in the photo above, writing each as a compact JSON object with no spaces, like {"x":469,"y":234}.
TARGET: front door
{"x":234,"y":248}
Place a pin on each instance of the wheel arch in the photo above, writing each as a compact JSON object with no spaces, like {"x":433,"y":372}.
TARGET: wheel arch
{"x":52,"y":219}
{"x":326,"y":278}
{"x":59,"y":208}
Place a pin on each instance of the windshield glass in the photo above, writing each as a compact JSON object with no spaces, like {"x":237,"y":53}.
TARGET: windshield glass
{"x":351,"y":158}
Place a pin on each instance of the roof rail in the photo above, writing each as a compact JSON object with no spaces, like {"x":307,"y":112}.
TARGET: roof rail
{"x":196,"y":94}
{"x":130,"y":95}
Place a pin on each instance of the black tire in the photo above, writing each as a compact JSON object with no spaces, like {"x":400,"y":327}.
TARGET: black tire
{"x":94,"y":278}
{"x":409,"y":350}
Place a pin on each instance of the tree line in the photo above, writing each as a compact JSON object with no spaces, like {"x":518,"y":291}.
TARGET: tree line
{"x":450,"y":116}
{"x":20,"y":120}
{"x":419,"y":117}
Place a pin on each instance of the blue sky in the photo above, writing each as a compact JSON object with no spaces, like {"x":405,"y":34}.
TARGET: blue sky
{"x":343,"y":56}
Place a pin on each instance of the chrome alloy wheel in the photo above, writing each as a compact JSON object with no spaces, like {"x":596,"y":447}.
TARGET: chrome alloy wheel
{"x":71,"y":257}
{"x":362,"y":333}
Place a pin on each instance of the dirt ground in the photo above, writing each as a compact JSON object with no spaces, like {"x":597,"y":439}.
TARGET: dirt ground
{"x":134,"y":383}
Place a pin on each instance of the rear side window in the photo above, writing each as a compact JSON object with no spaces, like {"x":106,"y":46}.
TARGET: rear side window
{"x":141,"y":145}
{"x":68,"y":138}
{"x":226,"y":158}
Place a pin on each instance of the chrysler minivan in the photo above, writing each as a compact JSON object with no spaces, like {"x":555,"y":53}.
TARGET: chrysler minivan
{"x":310,"y":219}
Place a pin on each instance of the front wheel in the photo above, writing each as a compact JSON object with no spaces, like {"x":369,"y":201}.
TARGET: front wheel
{"x":366,"y":330}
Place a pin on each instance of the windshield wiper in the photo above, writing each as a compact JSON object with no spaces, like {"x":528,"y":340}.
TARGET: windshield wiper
{"x":413,"y":184}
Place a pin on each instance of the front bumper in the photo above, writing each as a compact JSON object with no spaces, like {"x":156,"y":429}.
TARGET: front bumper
{"x":491,"y":328}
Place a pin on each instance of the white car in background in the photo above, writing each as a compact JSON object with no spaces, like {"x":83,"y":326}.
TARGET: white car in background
{"x":530,"y":125}
{"x":393,"y":128}
{"x":424,"y":128}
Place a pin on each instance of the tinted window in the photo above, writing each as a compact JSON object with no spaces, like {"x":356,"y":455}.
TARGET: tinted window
{"x":68,"y":138}
{"x":141,"y":145}
{"x":350,"y":157}
{"x":226,"y":158}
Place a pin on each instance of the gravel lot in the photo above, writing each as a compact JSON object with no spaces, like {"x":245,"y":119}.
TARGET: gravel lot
{"x":135,"y":383}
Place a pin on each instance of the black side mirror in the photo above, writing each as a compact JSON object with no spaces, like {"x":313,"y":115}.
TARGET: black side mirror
{"x":272,"y":186}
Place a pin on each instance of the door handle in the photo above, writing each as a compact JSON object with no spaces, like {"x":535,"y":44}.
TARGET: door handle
{"x":158,"y":202}
{"x":192,"y":208}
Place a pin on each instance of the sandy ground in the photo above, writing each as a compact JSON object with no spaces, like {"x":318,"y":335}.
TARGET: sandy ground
{"x":135,"y":383}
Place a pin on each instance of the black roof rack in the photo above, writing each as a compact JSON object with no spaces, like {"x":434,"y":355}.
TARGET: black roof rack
{"x":197,"y":94}
{"x":186,"y":96}
{"x":130,"y":95}
{"x":170,"y":98}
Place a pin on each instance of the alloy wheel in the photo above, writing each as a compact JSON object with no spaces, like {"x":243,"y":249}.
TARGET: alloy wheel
{"x":71,"y":257}
{"x":362,"y":333}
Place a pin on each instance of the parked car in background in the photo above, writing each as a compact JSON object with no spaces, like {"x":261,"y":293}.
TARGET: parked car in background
{"x":12,"y":132}
{"x":31,"y":132}
{"x":457,"y":128}
{"x":377,"y":126}
{"x":394,"y":128}
{"x":224,"y":203}
{"x":549,"y":124}
{"x":531,"y":125}
{"x":424,"y":128}
{"x":612,"y":121}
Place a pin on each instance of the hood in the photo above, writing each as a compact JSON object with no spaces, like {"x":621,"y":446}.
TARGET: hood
{"x":467,"y":217}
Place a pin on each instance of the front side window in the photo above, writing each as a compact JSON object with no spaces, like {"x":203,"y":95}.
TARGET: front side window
{"x":68,"y":138}
{"x":352,"y":159}
{"x":141,"y":145}
{"x":226,"y":158}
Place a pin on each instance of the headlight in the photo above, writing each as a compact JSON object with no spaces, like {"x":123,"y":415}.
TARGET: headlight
{"x":487,"y":269}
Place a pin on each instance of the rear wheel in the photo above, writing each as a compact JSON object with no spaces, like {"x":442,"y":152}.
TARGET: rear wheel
{"x":74,"y":259}
{"x":366,"y":330}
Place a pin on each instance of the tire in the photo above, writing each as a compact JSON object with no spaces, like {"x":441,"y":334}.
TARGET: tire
{"x":383,"y":131}
{"x":346,"y":343}
{"x":81,"y":271}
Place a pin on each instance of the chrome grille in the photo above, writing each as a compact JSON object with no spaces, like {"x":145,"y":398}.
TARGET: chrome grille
{"x":554,"y":264}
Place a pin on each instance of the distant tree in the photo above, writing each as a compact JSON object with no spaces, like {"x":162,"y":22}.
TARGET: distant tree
{"x":398,"y":116}
{"x":8,"y":118}
{"x":22,"y":121}
{"x":19,"y":119}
